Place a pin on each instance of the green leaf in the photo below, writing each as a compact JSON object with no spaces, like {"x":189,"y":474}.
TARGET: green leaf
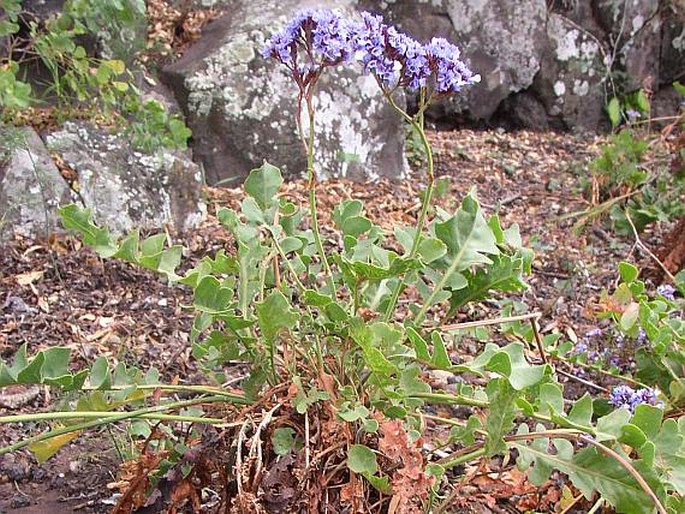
{"x":609,"y":427}
{"x":381,"y":484}
{"x":589,"y":471}
{"x":81,"y":220}
{"x":613,"y":109}
{"x":469,"y":242}
{"x":118,"y":67}
{"x":349,"y":414}
{"x":431,"y":249}
{"x":504,"y":274}
{"x":420,"y":345}
{"x":467,"y":236}
{"x":274,"y":314}
{"x":356,"y":225}
{"x":7,"y":28}
{"x":629,"y":316}
{"x":303,"y":399}
{"x":263,"y":183}
{"x":551,"y":399}
{"x":441,"y":358}
{"x":210,"y":296}
{"x":466,"y":434}
{"x":511,"y":363}
{"x":283,"y":440}
{"x":680,"y":88}
{"x":501,"y":414}
{"x":55,"y":370}
{"x":361,"y":460}
{"x":628,"y":272}
{"x":581,"y":412}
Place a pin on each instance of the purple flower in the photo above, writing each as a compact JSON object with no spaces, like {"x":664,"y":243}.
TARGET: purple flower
{"x":594,"y":332}
{"x":667,"y":291}
{"x":398,"y":60}
{"x":580,"y":347}
{"x":621,"y":396}
{"x":614,"y":361}
{"x":632,"y":115}
{"x":319,"y":37}
{"x":646,"y":396}
{"x":626,"y":397}
{"x":641,"y":338}
{"x":451,"y":73}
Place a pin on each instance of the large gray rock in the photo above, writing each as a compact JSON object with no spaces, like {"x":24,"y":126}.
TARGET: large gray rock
{"x":572,"y":79}
{"x":672,"y":62}
{"x":634,"y":30}
{"x":242,"y":108}
{"x":127,"y":189}
{"x":500,"y":39}
{"x":31,"y":186}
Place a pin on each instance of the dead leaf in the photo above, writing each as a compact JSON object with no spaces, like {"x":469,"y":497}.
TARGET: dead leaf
{"x":28,"y":278}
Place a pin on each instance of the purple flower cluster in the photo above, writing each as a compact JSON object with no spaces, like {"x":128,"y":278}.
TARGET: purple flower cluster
{"x":324,"y":39}
{"x":398,"y":60}
{"x":667,"y":291}
{"x":626,"y":397}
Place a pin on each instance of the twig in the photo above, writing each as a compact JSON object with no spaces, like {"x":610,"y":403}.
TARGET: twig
{"x":644,"y":248}
{"x":493,"y":321}
{"x":595,"y":508}
{"x":256,"y":444}
{"x":306,"y":440}
{"x":582,"y":381}
{"x":239,"y":457}
{"x":572,"y":504}
{"x":538,"y":339}
{"x":603,"y":372}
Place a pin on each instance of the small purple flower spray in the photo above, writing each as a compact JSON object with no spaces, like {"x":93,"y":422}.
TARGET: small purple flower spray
{"x":624,"y":396}
{"x":318,"y":39}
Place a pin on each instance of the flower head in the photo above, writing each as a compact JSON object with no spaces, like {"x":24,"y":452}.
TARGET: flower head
{"x":580,"y":347}
{"x":646,"y":396}
{"x":667,"y":291}
{"x":621,"y":396}
{"x":398,"y":60}
{"x":594,"y":332}
{"x":626,"y":397}
{"x":450,"y":72}
{"x":632,"y":115}
{"x":312,"y":40}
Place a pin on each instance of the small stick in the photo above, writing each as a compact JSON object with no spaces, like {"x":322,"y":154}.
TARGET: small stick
{"x":642,"y":246}
{"x":493,"y":321}
{"x":582,"y":381}
{"x":538,"y":340}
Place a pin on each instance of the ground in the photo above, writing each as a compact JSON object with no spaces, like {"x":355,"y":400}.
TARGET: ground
{"x":60,"y":293}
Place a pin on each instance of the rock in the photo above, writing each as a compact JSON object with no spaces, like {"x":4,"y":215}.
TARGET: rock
{"x":500,"y":39}
{"x":127,"y":189}
{"x":634,"y":29}
{"x":31,"y":186}
{"x":572,"y":75}
{"x":672,"y":62}
{"x":242,"y":108}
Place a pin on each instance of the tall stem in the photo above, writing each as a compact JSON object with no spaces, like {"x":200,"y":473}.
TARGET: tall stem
{"x":112,"y":418}
{"x":417,"y":125}
{"x":312,"y":192}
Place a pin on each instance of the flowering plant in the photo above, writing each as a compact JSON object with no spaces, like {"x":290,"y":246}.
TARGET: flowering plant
{"x":336,"y":388}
